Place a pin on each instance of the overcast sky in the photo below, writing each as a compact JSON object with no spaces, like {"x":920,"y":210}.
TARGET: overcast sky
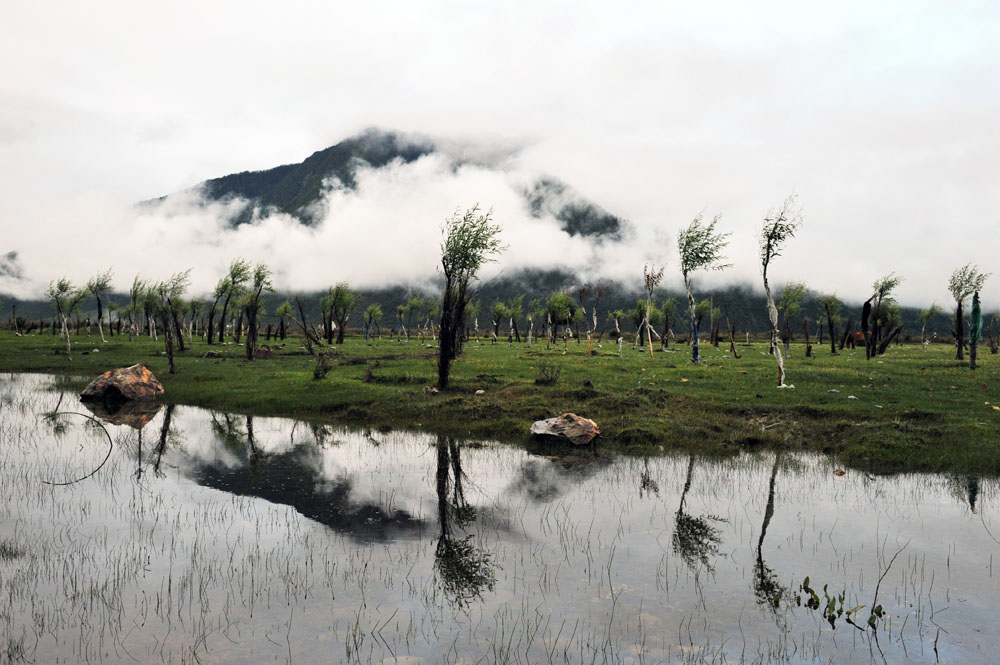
{"x":881,"y":117}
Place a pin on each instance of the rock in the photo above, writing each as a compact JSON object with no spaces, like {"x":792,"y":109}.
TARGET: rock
{"x":839,"y":472}
{"x":263,"y":352}
{"x":587,"y":383}
{"x":431,"y":390}
{"x":212,"y":354}
{"x":833,"y":390}
{"x":578,"y":431}
{"x":95,"y":350}
{"x":123,"y":384}
{"x":480,"y":392}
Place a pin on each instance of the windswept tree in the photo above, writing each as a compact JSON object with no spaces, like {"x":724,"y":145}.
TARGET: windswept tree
{"x":99,"y":286}
{"x":963,"y":283}
{"x":779,"y":226}
{"x":924,"y":317}
{"x":165,"y":297}
{"x":252,"y":306}
{"x":469,"y":241}
{"x":700,"y":248}
{"x":831,"y":307}
{"x":65,"y":299}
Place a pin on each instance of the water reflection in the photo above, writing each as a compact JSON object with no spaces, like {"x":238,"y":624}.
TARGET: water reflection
{"x":464,"y":569}
{"x":240,"y":539}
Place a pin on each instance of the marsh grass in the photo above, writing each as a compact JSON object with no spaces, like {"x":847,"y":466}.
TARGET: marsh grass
{"x":907,"y":410}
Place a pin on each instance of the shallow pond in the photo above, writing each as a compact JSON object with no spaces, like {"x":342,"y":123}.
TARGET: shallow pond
{"x":185,"y":535}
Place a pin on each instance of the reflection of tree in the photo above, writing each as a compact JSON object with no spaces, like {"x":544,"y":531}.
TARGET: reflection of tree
{"x":646,"y":483}
{"x":765,"y":583}
{"x":695,"y":539}
{"x":161,"y":445}
{"x":464,"y":570}
{"x":965,"y":489}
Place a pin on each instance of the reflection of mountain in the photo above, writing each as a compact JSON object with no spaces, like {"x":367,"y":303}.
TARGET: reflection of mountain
{"x":291,"y":479}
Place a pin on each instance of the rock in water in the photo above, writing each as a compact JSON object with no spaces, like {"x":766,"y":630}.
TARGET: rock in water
{"x":579,"y":431}
{"x":126,"y":383}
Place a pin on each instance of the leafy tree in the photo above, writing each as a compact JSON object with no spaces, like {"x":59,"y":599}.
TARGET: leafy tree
{"x":560,"y":310}
{"x":516,"y":311}
{"x":163,"y":297}
{"x":779,"y":226}
{"x":373,"y":314}
{"x":343,"y":302}
{"x":700,"y":248}
{"x":881,"y":303}
{"x":261,"y":284}
{"x":963,"y":283}
{"x":99,"y":286}
{"x":470,"y":240}
{"x":233,"y":284}
{"x":499,"y":313}
{"x":65,"y":299}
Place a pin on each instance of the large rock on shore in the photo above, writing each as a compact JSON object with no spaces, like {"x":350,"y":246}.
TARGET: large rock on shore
{"x":577,"y":430}
{"x":123,"y":384}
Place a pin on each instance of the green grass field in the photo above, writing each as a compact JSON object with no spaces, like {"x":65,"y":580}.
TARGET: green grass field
{"x":914,"y":410}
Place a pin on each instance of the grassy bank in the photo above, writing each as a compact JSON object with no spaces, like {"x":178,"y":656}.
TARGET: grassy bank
{"x":908,"y":410}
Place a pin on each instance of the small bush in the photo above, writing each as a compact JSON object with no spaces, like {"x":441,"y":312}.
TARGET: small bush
{"x":547,"y":374}
{"x":322,"y":366}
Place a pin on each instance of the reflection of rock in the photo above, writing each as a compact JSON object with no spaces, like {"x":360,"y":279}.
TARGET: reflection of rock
{"x":578,"y":431}
{"x":127,"y":383}
{"x":133,"y":414}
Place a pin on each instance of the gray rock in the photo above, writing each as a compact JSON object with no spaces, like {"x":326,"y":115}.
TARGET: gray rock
{"x":577,"y":430}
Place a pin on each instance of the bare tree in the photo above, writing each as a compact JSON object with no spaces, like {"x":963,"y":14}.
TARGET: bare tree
{"x":963,"y":283}
{"x":975,"y":329}
{"x":779,"y":226}
{"x":700,"y":247}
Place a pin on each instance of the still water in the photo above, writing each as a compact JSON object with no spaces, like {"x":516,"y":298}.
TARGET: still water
{"x":190,"y":536}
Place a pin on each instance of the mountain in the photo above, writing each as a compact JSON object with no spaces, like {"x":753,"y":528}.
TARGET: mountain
{"x":297,"y":189}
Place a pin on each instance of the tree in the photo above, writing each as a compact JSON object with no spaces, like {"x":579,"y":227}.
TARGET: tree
{"x":499,"y":313}
{"x":963,"y":283}
{"x":668,"y":307}
{"x":372,"y":316}
{"x":700,"y":247}
{"x":560,"y":310}
{"x":779,"y":226}
{"x":99,"y":286}
{"x":164,"y":297}
{"x":261,"y":284}
{"x":469,"y":241}
{"x":831,"y":307}
{"x":65,"y":299}
{"x":925,"y":316}
{"x":790,"y":305}
{"x":516,"y":311}
{"x":651,"y":279}
{"x":283,"y":312}
{"x":343,"y":302}
{"x":233,"y":283}
{"x":975,"y":329}
{"x":881,"y":304}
